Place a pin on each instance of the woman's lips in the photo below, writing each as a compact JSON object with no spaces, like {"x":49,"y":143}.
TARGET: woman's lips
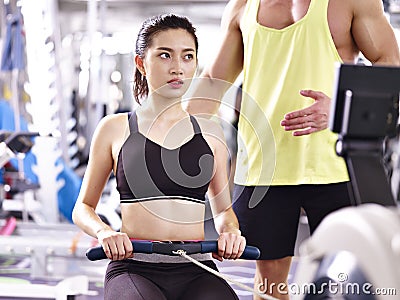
{"x":175,"y":83}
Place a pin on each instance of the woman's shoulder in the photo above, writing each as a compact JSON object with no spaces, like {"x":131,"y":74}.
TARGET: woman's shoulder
{"x":116,"y":119}
{"x":111,"y":131}
{"x":212,"y":131}
{"x":113,"y":123}
{"x":208,"y":125}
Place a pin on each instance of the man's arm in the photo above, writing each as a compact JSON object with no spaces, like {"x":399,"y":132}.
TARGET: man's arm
{"x":222,"y":71}
{"x":373,"y":33}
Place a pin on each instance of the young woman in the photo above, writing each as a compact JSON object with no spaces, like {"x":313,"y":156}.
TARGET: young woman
{"x":165,"y":161}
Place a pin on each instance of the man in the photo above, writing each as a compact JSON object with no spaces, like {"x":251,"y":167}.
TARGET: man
{"x":283,"y":47}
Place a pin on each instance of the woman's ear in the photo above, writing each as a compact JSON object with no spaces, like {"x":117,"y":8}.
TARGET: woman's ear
{"x":139,"y":65}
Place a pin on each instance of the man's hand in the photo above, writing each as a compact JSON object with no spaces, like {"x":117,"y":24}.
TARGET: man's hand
{"x":310,"y":119}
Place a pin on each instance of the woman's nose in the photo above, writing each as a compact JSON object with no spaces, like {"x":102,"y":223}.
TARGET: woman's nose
{"x":176,"y":67}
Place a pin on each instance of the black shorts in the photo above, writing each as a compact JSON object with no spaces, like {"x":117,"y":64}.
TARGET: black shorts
{"x":269,"y":215}
{"x":130,"y":279}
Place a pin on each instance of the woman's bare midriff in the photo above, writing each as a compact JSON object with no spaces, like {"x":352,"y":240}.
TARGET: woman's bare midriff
{"x":163,"y":220}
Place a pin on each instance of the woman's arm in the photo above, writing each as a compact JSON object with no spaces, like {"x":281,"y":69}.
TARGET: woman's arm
{"x":230,"y":242}
{"x":116,"y":245}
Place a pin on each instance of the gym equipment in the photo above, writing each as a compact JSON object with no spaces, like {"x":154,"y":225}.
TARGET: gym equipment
{"x":365,"y":111}
{"x":55,"y":252}
{"x":184,"y":249}
{"x":353,"y":255}
{"x":66,"y":183}
{"x":38,"y":240}
{"x":12,"y":145}
{"x":171,"y":248}
{"x":77,"y":285}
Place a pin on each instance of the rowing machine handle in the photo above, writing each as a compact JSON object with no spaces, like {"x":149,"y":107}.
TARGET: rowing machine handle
{"x":250,"y":252}
{"x":97,"y":253}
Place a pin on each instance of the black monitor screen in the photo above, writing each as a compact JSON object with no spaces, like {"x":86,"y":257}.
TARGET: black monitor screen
{"x":365,"y":103}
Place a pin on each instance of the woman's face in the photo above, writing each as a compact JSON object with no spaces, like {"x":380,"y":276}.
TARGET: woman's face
{"x":170,"y":63}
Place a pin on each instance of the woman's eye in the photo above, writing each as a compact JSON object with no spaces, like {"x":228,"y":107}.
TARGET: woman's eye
{"x":189,"y":56}
{"x":164,"y":55}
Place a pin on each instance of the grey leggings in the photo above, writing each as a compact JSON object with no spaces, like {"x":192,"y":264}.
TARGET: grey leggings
{"x":137,"y":280}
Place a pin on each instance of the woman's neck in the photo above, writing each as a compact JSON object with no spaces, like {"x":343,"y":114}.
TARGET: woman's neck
{"x":164,"y":122}
{"x":163,"y":108}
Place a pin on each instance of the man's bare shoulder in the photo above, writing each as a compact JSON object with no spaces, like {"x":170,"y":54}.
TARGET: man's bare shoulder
{"x":238,"y":4}
{"x":233,"y":12}
{"x":354,"y":7}
{"x":340,"y":7}
{"x":362,"y":26}
{"x":340,"y":19}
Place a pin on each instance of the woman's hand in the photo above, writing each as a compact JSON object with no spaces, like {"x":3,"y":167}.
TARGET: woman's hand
{"x":116,"y":245}
{"x":230,"y":245}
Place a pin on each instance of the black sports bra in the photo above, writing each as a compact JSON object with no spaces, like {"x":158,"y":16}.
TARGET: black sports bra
{"x":147,"y":171}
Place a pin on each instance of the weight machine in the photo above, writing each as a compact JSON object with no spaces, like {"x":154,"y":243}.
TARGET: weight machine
{"x":45,"y":244}
{"x":355,"y":252}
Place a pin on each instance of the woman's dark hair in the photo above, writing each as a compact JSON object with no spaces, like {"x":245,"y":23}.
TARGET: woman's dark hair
{"x":150,"y":27}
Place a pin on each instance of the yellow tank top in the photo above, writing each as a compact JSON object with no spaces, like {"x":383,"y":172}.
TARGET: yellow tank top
{"x":277,"y":65}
